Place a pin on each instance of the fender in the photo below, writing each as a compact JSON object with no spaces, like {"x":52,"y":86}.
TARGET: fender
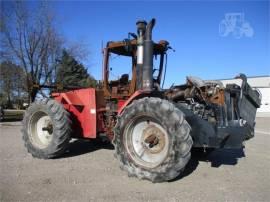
{"x":137,"y":95}
{"x":81,"y":104}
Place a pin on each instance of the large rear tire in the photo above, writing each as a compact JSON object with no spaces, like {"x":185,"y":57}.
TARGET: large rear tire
{"x":152,"y":140}
{"x":46,"y":129}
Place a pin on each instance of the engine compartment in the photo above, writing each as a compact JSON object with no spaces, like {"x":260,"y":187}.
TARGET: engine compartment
{"x":220,"y":116}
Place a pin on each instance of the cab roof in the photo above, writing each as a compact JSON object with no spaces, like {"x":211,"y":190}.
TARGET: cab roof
{"x":127,"y":47}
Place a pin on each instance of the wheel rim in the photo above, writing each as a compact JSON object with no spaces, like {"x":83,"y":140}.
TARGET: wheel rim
{"x":146,"y":141}
{"x":40,"y":129}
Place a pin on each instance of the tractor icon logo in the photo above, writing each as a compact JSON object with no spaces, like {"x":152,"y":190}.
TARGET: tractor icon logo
{"x":235,"y":24}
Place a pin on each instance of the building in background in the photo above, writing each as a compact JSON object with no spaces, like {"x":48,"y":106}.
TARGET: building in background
{"x":262,"y":83}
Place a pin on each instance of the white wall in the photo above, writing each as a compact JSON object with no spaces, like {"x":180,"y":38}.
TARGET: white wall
{"x":265,"y":107}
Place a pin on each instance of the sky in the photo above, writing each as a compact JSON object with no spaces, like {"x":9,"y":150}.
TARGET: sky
{"x":202,"y":49}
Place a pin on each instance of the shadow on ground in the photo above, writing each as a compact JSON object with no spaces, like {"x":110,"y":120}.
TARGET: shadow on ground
{"x":216,"y":157}
{"x":81,"y":146}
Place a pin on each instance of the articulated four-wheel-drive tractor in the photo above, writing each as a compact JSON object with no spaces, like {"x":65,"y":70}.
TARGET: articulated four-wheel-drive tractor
{"x":152,"y":129}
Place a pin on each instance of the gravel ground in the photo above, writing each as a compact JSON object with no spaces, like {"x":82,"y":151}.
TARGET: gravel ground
{"x":88,"y":172}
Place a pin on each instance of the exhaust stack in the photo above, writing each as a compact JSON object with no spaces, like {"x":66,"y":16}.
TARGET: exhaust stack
{"x":145,"y":55}
{"x":148,"y":57}
{"x":141,"y":27}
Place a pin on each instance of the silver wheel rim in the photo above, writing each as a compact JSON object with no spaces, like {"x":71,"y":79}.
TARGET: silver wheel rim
{"x":146,"y":142}
{"x":40,"y":129}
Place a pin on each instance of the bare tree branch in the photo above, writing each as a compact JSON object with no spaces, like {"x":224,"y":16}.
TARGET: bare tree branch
{"x":32,"y":39}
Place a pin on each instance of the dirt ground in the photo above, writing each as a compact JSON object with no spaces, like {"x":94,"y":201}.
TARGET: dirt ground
{"x":88,"y":172}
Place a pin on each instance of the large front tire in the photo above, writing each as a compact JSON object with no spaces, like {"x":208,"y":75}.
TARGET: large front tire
{"x":46,"y":129}
{"x":152,"y":140}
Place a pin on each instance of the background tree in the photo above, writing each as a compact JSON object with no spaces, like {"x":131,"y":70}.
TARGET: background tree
{"x":12,"y":84}
{"x":72,"y":73}
{"x":29,"y":38}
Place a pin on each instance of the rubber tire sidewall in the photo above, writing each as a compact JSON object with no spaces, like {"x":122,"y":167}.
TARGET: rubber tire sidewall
{"x":180,"y":142}
{"x":61,"y":129}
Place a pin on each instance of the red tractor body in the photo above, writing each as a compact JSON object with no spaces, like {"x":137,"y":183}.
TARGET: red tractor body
{"x":86,"y":108}
{"x":153,"y":129}
{"x":81,"y":104}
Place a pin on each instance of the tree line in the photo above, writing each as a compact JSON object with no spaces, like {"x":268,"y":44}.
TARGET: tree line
{"x":34,"y":53}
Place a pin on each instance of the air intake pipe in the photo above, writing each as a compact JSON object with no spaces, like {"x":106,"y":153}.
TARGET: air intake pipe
{"x":148,"y":49}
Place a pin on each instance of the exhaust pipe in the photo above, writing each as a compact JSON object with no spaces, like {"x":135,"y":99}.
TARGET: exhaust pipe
{"x":148,"y":57}
{"x":141,"y":27}
{"x":145,"y":55}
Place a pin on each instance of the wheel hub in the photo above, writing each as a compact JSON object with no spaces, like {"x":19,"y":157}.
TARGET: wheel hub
{"x":153,"y":139}
{"x":147,"y":142}
{"x":41,"y":129}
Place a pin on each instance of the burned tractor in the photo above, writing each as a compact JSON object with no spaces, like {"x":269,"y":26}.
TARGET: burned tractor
{"x":152,"y":129}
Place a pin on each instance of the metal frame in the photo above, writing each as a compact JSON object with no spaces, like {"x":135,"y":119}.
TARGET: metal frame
{"x":120,"y":48}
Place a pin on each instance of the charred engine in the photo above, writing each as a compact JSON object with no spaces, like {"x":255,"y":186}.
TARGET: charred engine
{"x":220,"y":116}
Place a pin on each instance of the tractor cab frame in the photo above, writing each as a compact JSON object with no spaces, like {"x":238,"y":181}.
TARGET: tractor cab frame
{"x":125,"y":86}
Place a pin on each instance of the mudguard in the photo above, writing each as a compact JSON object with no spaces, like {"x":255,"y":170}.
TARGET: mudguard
{"x":81,"y":104}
